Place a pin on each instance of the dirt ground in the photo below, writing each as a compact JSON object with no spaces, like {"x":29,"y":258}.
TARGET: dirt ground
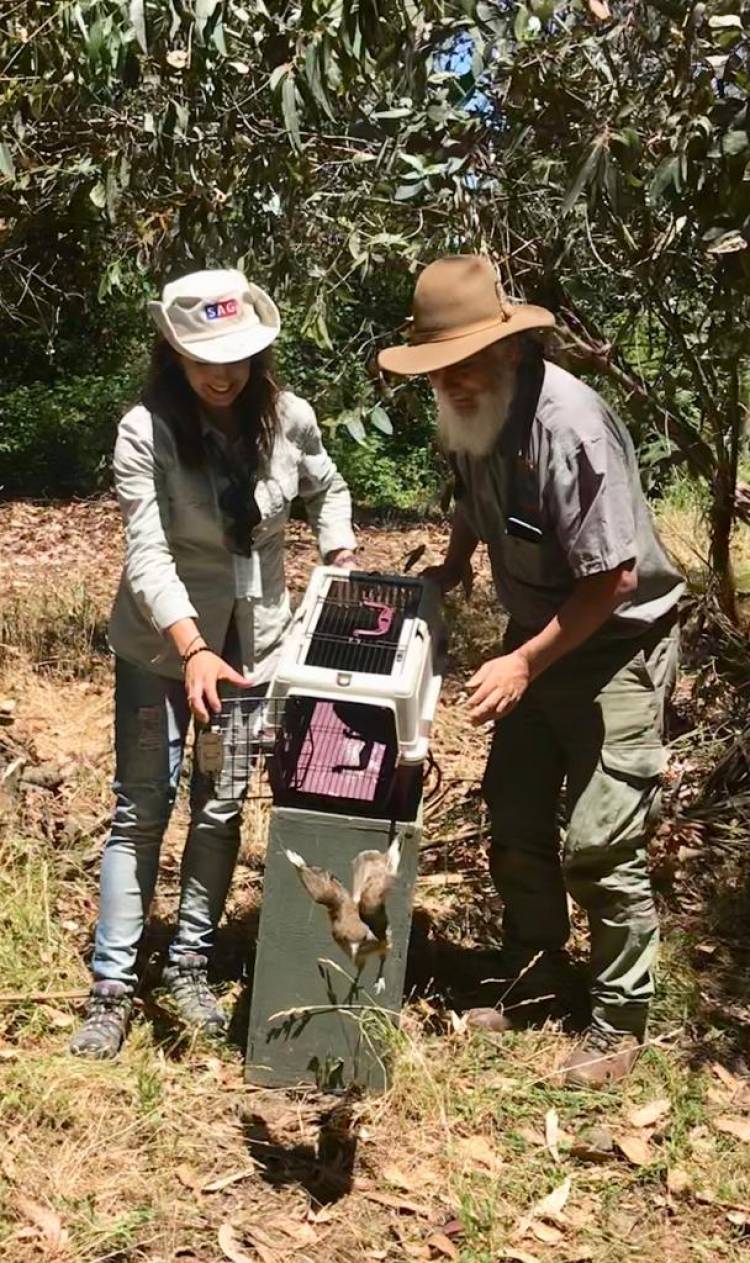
{"x":475,"y":1153}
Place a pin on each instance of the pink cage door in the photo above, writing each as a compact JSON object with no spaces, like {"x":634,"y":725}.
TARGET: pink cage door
{"x":342,"y":751}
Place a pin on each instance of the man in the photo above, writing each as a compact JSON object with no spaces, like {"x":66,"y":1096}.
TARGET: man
{"x":546,"y":477}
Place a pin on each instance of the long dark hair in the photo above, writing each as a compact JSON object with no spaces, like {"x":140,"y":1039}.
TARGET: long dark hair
{"x":168,"y":393}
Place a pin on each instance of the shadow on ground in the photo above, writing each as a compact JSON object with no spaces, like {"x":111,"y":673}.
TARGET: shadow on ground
{"x":323,"y":1166}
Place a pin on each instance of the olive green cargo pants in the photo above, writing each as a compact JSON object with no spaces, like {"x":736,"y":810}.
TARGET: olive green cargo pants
{"x":594,"y":723}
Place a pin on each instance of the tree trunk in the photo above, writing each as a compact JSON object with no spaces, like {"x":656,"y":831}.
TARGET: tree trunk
{"x":720,"y":559}
{"x":724,"y":497}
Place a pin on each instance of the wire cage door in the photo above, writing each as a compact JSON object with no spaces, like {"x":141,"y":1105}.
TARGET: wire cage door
{"x":228,"y":750}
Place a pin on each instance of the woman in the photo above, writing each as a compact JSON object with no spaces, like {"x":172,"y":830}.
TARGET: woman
{"x":206,"y":467}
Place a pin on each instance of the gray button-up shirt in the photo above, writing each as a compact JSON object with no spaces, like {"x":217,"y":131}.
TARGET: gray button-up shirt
{"x":581,"y":489}
{"x":177,"y":564}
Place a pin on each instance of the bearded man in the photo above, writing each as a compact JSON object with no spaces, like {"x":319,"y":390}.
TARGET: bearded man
{"x":546,"y":476}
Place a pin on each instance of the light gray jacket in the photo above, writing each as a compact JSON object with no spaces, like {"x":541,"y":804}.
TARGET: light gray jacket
{"x":176,"y":562}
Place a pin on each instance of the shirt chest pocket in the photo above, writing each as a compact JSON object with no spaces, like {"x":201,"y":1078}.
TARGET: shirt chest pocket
{"x":274,"y":495}
{"x":525,"y":559}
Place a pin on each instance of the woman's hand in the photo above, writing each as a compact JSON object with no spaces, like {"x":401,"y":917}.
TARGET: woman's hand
{"x":498,"y":687}
{"x":202,"y":675}
{"x":343,"y":558}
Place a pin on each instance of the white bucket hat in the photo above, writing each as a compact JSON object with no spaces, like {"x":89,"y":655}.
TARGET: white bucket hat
{"x":216,"y":317}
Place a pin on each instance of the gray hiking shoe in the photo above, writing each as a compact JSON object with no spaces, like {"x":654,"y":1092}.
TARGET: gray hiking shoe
{"x":187,"y":983}
{"x":103,"y":1032}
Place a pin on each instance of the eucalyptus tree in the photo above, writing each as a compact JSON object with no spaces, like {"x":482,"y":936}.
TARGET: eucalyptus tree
{"x":599,"y":148}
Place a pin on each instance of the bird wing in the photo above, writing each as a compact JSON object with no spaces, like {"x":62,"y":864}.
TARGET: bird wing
{"x":364,"y":866}
{"x":320,"y":885}
{"x":379,"y":867}
{"x":374,"y":873}
{"x":348,"y":928}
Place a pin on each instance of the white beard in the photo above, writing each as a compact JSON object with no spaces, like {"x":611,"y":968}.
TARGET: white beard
{"x":476,"y":432}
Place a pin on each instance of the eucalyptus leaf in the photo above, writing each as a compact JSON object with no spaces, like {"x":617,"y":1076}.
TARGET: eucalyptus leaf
{"x":316,"y":328}
{"x":7,"y":165}
{"x":583,"y":178}
{"x":401,"y":111}
{"x":521,"y":23}
{"x":205,"y":9}
{"x":353,"y":423}
{"x":727,"y":243}
{"x":138,"y":19}
{"x":667,"y":173}
{"x":218,"y":40}
{"x":277,"y":74}
{"x":413,"y":160}
{"x":111,"y":279}
{"x":724,"y":21}
{"x":380,"y":419}
{"x":314,"y":78}
{"x":289,"y":110}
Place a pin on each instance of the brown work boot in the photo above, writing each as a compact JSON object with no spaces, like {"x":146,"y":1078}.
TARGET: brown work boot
{"x":493,"y":1020}
{"x":601,"y":1058}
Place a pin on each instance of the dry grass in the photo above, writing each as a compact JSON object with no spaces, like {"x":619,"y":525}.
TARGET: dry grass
{"x":684,"y":530}
{"x":167,"y":1155}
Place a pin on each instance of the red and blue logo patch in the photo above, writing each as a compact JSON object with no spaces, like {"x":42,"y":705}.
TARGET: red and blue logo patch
{"x":220,"y":311}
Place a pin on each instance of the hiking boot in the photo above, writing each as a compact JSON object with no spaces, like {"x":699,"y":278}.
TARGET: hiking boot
{"x":187,"y":983}
{"x":103,"y":1032}
{"x":491,"y":1020}
{"x":601,"y":1058}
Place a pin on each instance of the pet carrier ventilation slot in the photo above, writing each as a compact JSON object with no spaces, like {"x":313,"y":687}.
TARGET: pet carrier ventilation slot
{"x":359,"y":625}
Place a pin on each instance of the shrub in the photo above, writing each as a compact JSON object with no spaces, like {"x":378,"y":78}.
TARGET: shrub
{"x":57,"y":439}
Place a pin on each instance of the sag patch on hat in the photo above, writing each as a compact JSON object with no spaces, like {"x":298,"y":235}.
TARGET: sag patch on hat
{"x":220,"y":311}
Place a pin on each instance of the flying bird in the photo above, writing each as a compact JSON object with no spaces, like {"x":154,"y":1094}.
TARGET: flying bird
{"x":373,"y":874}
{"x":359,"y":922}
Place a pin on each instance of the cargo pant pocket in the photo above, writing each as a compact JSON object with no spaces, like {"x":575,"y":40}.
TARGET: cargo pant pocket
{"x":619,"y":806}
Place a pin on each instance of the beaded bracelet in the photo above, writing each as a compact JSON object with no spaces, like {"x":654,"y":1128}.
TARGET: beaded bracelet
{"x":198,"y":636}
{"x":192,"y":653}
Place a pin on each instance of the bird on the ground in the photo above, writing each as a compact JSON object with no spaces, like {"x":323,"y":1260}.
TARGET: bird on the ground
{"x":359,"y":921}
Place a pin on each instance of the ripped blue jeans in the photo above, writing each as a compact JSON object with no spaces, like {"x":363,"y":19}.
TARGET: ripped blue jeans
{"x":152,"y":719}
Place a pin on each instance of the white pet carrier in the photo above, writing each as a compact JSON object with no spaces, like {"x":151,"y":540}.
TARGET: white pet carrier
{"x":357,"y":684}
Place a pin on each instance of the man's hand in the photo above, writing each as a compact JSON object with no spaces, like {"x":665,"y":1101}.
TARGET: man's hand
{"x":449,"y":574}
{"x":202,"y":676}
{"x":498,"y":686}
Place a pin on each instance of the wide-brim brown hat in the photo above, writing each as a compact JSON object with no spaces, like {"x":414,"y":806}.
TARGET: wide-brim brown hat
{"x":459,"y":308}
